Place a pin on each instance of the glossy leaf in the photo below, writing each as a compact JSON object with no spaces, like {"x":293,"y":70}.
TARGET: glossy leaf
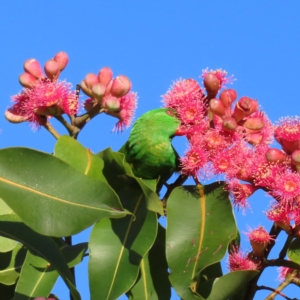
{"x":52,"y":197}
{"x":119,"y":174}
{"x":12,"y":227}
{"x":117,"y":247}
{"x":228,"y":285}
{"x":294,"y":251}
{"x":153,"y":281}
{"x":38,"y":276}
{"x":196,"y":235}
{"x":5,"y":243}
{"x":79,"y":157}
{"x":11,"y":264}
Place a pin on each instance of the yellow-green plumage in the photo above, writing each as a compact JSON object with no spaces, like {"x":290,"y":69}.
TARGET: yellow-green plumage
{"x":149,"y":149}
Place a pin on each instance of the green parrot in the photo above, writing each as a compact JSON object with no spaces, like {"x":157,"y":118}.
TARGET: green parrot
{"x":149,"y":150}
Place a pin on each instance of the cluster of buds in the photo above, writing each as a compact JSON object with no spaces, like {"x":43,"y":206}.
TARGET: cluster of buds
{"x":42,"y":95}
{"x":111,"y":94}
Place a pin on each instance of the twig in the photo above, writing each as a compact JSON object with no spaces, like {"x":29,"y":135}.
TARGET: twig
{"x":49,"y":127}
{"x":282,"y":285}
{"x":73,"y":130}
{"x":68,"y":240}
{"x":275,"y":291}
{"x":252,"y":286}
{"x":283,"y":251}
{"x":178,"y":182}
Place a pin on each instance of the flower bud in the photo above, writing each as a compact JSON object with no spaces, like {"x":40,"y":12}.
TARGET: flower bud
{"x":26,"y":80}
{"x":217,"y":107}
{"x":98,"y":91}
{"x":85,"y":88}
{"x":121,"y":86}
{"x":12,"y":116}
{"x":229,"y":124}
{"x":296,"y":158}
{"x":33,"y":67}
{"x":275,"y":155}
{"x":91,"y":79}
{"x":227,"y":97}
{"x":112,"y":103}
{"x":244,"y":107}
{"x":62,"y":59}
{"x":105,"y":75}
{"x":212,"y":84}
{"x":254,"y":138}
{"x":254,"y":124}
{"x":89,"y":104}
{"x":51,"y":68}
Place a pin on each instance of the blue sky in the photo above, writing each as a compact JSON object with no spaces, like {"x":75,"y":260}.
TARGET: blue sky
{"x":155,"y":43}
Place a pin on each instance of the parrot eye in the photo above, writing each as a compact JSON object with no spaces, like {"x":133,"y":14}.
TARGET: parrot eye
{"x":171,"y":112}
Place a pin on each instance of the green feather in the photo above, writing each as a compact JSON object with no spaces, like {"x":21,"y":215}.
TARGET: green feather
{"x":149,"y":150}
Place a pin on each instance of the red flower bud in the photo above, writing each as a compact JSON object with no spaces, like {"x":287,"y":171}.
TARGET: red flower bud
{"x":105,"y":75}
{"x":98,"y":91}
{"x":229,"y":124}
{"x":296,"y":158}
{"x":86,"y":89}
{"x":51,"y":68}
{"x":91,"y":79}
{"x":62,"y":59}
{"x":33,"y":67}
{"x":212,"y":84}
{"x":121,"y":86}
{"x":254,"y":124}
{"x":275,"y":155}
{"x":244,"y":107}
{"x":228,"y":96}
{"x":217,"y":107}
{"x":27,"y":80}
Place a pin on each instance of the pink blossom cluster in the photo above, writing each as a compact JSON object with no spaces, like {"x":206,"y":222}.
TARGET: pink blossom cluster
{"x":42,"y":95}
{"x":231,"y":137}
{"x":112,"y":94}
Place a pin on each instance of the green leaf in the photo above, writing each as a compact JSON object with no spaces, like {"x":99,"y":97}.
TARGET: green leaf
{"x":115,"y":167}
{"x":200,"y":226}
{"x":38,"y":276}
{"x":117,"y":247}
{"x":153,"y":282}
{"x":294,"y":251}
{"x":52,"y":197}
{"x":79,"y":157}
{"x":12,"y":227}
{"x":229,"y":284}
{"x":11,"y":264}
{"x":6,"y":244}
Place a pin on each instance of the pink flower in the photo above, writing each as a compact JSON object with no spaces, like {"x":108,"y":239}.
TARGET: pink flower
{"x":42,"y":96}
{"x":193,"y":161}
{"x":285,"y":271}
{"x":259,"y":239}
{"x":240,"y":193}
{"x":184,"y":92}
{"x":287,"y":133}
{"x":237,"y":260}
{"x":281,"y":216}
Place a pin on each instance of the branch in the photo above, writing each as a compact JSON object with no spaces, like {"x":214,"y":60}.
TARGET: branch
{"x":73,"y":130}
{"x":281,"y":286}
{"x":252,"y":286}
{"x":275,"y":292}
{"x":49,"y":127}
{"x":170,"y":187}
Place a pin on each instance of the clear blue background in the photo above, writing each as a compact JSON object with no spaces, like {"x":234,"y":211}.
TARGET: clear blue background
{"x":155,"y":43}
